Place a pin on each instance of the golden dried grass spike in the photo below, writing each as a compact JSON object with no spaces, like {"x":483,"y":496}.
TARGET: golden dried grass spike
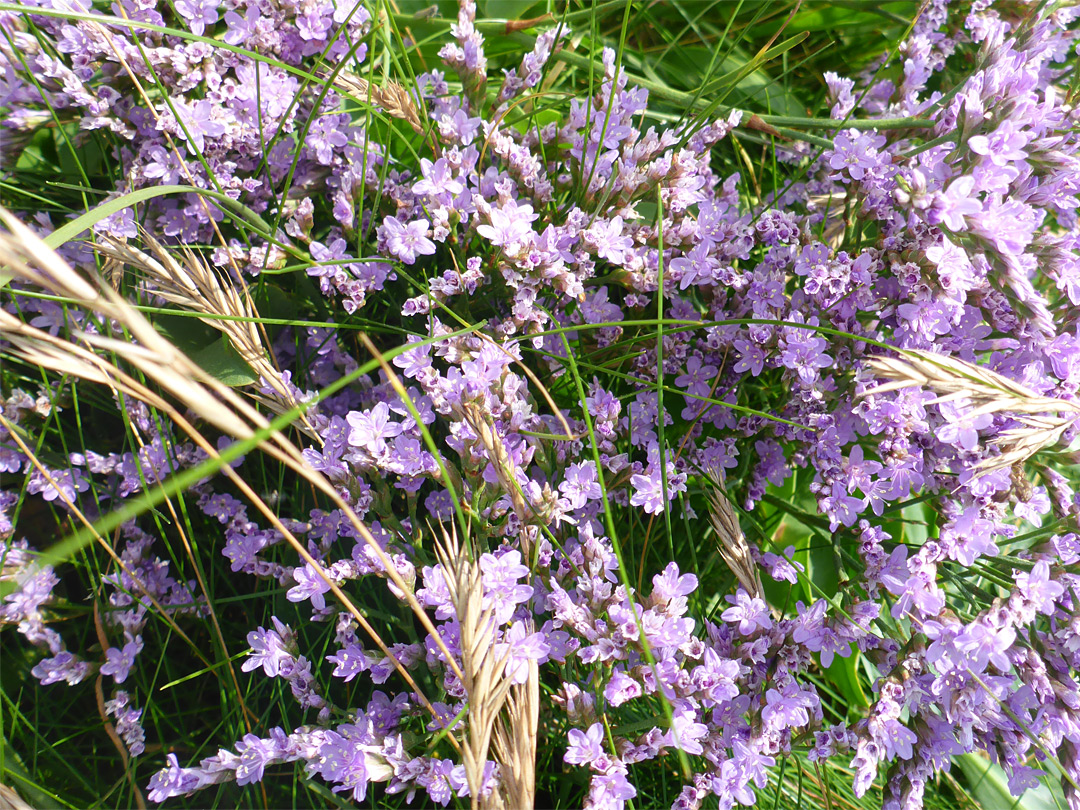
{"x":730,"y":538}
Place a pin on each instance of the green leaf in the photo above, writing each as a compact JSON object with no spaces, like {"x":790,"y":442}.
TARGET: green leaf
{"x":802,"y":527}
{"x":989,"y":785}
{"x":70,"y":230}
{"x":506,"y":9}
{"x":15,"y":774}
{"x":208,"y":348}
{"x":221,"y":361}
{"x":843,"y":675}
{"x":273,"y":302}
{"x":915,"y":525}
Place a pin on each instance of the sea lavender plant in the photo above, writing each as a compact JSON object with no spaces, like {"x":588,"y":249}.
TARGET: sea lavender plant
{"x":586,"y":336}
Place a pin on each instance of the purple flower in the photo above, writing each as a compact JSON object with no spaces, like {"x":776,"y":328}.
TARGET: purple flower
{"x":610,"y":241}
{"x":269,"y":650}
{"x":894,"y":737}
{"x":584,"y":746}
{"x":751,"y":357}
{"x":1004,"y":145}
{"x":349,"y":662}
{"x":750,"y":612}
{"x":621,"y":688}
{"x":782,"y":568}
{"x":983,"y":644}
{"x":127,"y":722}
{"x":804,"y":353}
{"x":649,"y":488}
{"x":611,"y":789}
{"x":686,"y":732}
{"x":1038,"y":588}
{"x":352,"y":763}
{"x":61,"y":667}
{"x":787,"y":708}
{"x":118,"y":663}
{"x":696,"y":267}
{"x":697,"y":378}
{"x":670,"y":585}
{"x":372,"y":428}
{"x":173,"y":781}
{"x":510,"y":226}
{"x":64,"y":484}
{"x":523,"y":647}
{"x":198,"y":123}
{"x":502,"y":591}
{"x":951,"y":206}
{"x":404,"y":242}
{"x":856,"y":152}
{"x":962,"y":429}
{"x":255,"y":755}
{"x":34,"y":589}
{"x":580,"y":484}
{"x":716,"y":678}
{"x":438,"y":183}
{"x":309,"y":585}
{"x":199,"y":14}
{"x":241,"y":28}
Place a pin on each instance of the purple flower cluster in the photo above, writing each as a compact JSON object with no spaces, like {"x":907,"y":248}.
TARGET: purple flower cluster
{"x":955,"y":234}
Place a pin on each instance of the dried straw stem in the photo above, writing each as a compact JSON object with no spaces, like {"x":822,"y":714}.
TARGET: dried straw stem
{"x":163,"y":363}
{"x":730,"y":538}
{"x":488,"y":689}
{"x":515,"y":740}
{"x":988,"y":392}
{"x":10,"y":800}
{"x":193,"y":284}
{"x":500,"y":459}
{"x":391,"y":98}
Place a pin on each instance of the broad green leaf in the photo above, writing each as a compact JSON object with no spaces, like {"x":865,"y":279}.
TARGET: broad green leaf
{"x":273,"y":302}
{"x":849,"y":20}
{"x":508,"y":9}
{"x":914,"y":525}
{"x":989,"y":785}
{"x":843,"y":675}
{"x":209,"y":349}
{"x":684,"y":68}
{"x":15,"y":774}
{"x":221,"y":361}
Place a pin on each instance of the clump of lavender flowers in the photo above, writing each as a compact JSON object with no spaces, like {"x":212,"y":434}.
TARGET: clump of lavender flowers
{"x":521,"y":256}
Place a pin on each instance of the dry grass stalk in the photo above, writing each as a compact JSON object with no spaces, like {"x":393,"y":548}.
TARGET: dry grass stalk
{"x":247,"y":714}
{"x":110,"y":729}
{"x":730,"y":539}
{"x":987,"y":392}
{"x":391,"y":98}
{"x":515,"y":740}
{"x":27,"y":258}
{"x":10,"y":800}
{"x":504,"y":466}
{"x":488,"y":690}
{"x":194,"y":285}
